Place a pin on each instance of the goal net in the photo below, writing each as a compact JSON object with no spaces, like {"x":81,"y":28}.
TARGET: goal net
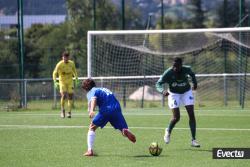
{"x":130,"y":63}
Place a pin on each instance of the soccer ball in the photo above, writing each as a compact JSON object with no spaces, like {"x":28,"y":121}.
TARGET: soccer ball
{"x":155,"y":149}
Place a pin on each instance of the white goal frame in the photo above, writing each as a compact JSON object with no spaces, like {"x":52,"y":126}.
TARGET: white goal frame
{"x":221,"y":33}
{"x":176,"y":31}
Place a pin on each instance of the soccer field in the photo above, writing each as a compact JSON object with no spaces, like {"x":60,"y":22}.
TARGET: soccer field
{"x":42,"y":138}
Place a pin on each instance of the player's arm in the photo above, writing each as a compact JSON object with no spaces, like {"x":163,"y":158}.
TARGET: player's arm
{"x":92,"y":105}
{"x":159,"y":84}
{"x":75,"y":73}
{"x":55,"y":72}
{"x":74,"y":70}
{"x":194,"y":81}
{"x":54,"y":75}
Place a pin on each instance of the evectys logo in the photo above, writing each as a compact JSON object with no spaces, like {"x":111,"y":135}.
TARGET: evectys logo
{"x":231,"y":153}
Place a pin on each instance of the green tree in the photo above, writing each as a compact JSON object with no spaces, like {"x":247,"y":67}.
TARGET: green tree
{"x":43,"y":44}
{"x":33,"y":51}
{"x":43,"y":47}
{"x":50,"y":46}
{"x":108,"y":16}
{"x":8,"y":54}
{"x":198,"y":18}
{"x":177,"y":17}
{"x":80,"y":20}
{"x":228,"y":13}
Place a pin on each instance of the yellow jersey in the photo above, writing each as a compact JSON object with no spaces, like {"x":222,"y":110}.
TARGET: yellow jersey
{"x":65,"y":71}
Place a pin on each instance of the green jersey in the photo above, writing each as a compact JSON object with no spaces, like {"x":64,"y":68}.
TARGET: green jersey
{"x":178,"y":83}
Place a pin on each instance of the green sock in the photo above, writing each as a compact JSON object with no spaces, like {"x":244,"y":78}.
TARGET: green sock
{"x":171,"y":126}
{"x":192,"y":125}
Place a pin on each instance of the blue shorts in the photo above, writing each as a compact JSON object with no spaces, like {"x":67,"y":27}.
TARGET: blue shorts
{"x":114,"y":116}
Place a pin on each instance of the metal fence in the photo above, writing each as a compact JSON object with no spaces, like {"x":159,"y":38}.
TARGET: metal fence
{"x":220,"y":90}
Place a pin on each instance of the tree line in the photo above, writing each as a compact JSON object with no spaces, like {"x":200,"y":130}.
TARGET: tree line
{"x":43,"y":44}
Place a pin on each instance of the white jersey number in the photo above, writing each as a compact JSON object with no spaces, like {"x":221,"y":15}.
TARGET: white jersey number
{"x":108,"y":92}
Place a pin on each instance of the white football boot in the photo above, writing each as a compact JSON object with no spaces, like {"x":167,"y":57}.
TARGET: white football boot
{"x":62,"y":113}
{"x":167,"y":136}
{"x":194,"y":143}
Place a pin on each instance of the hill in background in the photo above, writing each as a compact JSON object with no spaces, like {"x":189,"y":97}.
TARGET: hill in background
{"x":58,"y":7}
{"x":31,"y":7}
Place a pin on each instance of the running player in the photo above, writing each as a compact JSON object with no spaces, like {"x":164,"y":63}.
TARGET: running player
{"x":109,"y":111}
{"x":179,"y":92}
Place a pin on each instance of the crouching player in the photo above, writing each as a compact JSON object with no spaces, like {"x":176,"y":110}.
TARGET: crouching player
{"x":109,"y":111}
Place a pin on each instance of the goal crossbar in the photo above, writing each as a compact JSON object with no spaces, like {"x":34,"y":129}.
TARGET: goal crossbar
{"x":175,"y":31}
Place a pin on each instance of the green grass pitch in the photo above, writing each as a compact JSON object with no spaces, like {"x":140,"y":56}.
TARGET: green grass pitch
{"x":43,"y":139}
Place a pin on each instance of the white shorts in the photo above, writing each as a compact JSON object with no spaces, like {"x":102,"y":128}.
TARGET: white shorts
{"x":175,"y":100}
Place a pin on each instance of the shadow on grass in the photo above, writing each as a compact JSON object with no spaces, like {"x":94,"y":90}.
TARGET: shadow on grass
{"x":197,"y":150}
{"x":131,"y":156}
{"x":149,"y":156}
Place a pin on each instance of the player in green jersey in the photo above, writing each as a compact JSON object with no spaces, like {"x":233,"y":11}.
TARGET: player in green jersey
{"x":179,"y":93}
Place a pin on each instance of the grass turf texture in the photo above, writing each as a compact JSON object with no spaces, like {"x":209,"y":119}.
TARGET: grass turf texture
{"x":42,"y":138}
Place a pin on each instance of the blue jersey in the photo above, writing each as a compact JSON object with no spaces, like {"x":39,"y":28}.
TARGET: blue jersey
{"x":106,"y":100}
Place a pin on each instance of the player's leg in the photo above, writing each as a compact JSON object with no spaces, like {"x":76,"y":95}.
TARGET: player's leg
{"x":188,"y":101}
{"x":118,"y":121}
{"x":174,"y":103}
{"x":70,"y":90}
{"x":98,"y":121}
{"x":175,"y":118}
{"x":192,"y":121}
{"x":127,"y":133}
{"x":70,"y":104}
{"x":192,"y":125}
{"x":63,"y":99}
{"x":63,"y":92}
{"x":91,"y":139}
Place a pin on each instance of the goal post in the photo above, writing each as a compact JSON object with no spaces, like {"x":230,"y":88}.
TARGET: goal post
{"x":130,"y":62}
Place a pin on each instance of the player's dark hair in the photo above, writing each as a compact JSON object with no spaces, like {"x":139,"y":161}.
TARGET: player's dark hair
{"x":178,"y":60}
{"x":88,"y":84}
{"x":65,"y":54}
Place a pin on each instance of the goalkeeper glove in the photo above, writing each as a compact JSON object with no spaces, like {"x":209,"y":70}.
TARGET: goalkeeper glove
{"x":56,"y":84}
{"x":77,"y":82}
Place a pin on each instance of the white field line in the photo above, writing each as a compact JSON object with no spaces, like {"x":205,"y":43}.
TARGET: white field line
{"x":109,"y":127}
{"x":132,"y":114}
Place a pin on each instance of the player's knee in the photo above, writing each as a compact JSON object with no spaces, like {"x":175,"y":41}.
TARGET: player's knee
{"x":92,"y":127}
{"x":176,"y":119}
{"x":64,"y":96}
{"x":70,"y":96}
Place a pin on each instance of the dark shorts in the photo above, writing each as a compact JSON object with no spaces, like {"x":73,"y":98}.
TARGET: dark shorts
{"x":115,"y":118}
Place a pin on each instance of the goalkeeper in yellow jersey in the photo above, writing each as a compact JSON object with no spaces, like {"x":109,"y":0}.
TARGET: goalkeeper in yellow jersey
{"x":66,"y":71}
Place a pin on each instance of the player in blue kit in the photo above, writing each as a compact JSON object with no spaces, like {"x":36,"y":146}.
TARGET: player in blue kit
{"x":109,"y":111}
